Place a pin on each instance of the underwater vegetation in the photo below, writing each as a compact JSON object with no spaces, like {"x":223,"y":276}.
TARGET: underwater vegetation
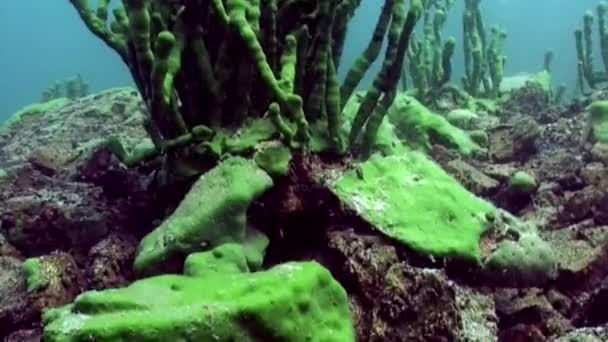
{"x":587,"y":76}
{"x":71,"y":88}
{"x":240,"y":192}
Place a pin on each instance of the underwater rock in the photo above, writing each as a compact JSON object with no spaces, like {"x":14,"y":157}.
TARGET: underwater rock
{"x":15,"y":308}
{"x":598,"y":122}
{"x":592,"y":334}
{"x":522,"y":333}
{"x":515,"y":254}
{"x":213,"y":212}
{"x":52,"y":280}
{"x":110,"y":262}
{"x":65,"y":135}
{"x":595,"y":174}
{"x":419,"y":127}
{"x":471,"y":178}
{"x":530,"y":309}
{"x":565,"y":133}
{"x":40,"y":214}
{"x":514,"y":142}
{"x":394,"y":301}
{"x":582,"y":254}
{"x":7,"y":250}
{"x":216,"y":299}
{"x":26,"y":335}
{"x":463,"y":119}
{"x":594,"y":312}
{"x":599,"y":153}
{"x":71,"y":195}
{"x":560,"y":166}
{"x":410,"y":198}
{"x":478,"y":314}
{"x":530,"y":99}
{"x":583,"y":204}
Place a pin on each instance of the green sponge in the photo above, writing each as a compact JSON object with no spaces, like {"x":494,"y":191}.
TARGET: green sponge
{"x":526,"y":261}
{"x":522,"y":182}
{"x":598,"y":121}
{"x":212,"y":213}
{"x":216,"y":300}
{"x":411,"y":199}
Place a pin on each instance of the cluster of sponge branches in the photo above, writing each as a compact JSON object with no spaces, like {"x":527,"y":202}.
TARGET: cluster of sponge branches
{"x":430,"y":57}
{"x":587,"y":76}
{"x":204,"y":67}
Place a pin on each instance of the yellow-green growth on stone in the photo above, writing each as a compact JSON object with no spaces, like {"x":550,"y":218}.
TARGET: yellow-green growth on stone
{"x":411,"y":199}
{"x":34,"y":109}
{"x":420,"y":127}
{"x":598,"y":121}
{"x":216,"y":299}
{"x":212,"y":213}
{"x":274,"y":159}
{"x":522,"y":182}
{"x":34,"y":275}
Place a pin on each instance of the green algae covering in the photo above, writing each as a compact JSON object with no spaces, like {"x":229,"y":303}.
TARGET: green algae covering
{"x":410,"y":198}
{"x":421,"y":128}
{"x":212,"y":213}
{"x":215,"y":300}
{"x":598,"y":121}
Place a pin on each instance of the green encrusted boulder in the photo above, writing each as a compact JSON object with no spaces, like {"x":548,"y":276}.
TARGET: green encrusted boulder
{"x":519,"y":256}
{"x":274,"y":159}
{"x":523,"y":183}
{"x":34,"y":109}
{"x":421,"y":128}
{"x":598,"y":121}
{"x":216,"y":299}
{"x":212,"y":213}
{"x":410,"y":198}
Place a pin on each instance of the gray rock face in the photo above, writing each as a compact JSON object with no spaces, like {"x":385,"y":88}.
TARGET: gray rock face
{"x":60,"y":190}
{"x":59,"y":139}
{"x":394,"y":301}
{"x":62,"y":198}
{"x":15,"y":310}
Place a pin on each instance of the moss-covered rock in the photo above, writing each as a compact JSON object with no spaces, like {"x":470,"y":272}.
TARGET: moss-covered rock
{"x":462,"y":118}
{"x":598,"y":121}
{"x":421,"y":128}
{"x":216,"y":299}
{"x":520,"y":257}
{"x":274,"y":159}
{"x":480,"y":137}
{"x":410,"y":198}
{"x":526,"y":261}
{"x":522,"y":182}
{"x":35,"y":109}
{"x":212,"y":213}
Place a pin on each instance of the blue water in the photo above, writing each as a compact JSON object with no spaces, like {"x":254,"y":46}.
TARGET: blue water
{"x":44,"y":41}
